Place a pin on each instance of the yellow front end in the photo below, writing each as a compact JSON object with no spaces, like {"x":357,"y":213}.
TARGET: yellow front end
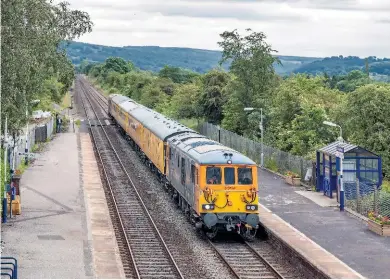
{"x":228,"y":189}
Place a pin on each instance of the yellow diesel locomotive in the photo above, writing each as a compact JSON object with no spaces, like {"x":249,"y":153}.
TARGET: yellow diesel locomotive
{"x":215,"y":185}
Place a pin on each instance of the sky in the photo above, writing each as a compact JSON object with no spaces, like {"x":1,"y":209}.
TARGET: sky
{"x":293,"y":27}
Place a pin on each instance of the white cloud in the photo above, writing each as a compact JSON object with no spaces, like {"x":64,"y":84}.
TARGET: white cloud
{"x":293,"y":27}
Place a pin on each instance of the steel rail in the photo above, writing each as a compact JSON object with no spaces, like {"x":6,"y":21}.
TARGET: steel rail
{"x":85,"y":90}
{"x":277,"y":273}
{"x":238,"y":273}
{"x":122,"y":227}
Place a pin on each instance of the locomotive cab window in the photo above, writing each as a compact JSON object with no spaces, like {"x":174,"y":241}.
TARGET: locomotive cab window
{"x":245,"y":176}
{"x":229,"y":175}
{"x":213,"y":175}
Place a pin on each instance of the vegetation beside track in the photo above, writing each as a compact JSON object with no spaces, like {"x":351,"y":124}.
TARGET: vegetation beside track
{"x":294,"y":107}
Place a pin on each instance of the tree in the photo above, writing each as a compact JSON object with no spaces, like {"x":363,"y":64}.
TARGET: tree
{"x":300,"y":105}
{"x":33,"y":37}
{"x":184,"y":103}
{"x":118,"y":65}
{"x":366,"y":120}
{"x":252,"y":66}
{"x":176,"y":74}
{"x":213,"y":96}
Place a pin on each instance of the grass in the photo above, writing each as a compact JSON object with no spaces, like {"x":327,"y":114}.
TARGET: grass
{"x":66,"y":101}
{"x":271,"y":164}
{"x":22,"y":167}
{"x":191,"y":123}
{"x":78,"y":122}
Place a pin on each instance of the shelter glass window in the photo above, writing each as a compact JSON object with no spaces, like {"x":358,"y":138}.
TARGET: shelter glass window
{"x":230,"y":176}
{"x":213,"y":175}
{"x":245,"y":176}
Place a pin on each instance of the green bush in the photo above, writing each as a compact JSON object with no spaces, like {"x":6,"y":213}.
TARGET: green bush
{"x":271,"y":164}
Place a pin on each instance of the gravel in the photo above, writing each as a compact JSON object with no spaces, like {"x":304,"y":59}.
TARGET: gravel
{"x":193,"y":254}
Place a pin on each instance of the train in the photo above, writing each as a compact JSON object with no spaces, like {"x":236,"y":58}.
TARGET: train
{"x":216,"y":186}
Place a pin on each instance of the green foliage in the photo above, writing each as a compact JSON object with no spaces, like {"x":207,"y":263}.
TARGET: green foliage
{"x":386,"y":186}
{"x":366,"y":119}
{"x":294,"y":108}
{"x":213,"y":95}
{"x":118,"y":65}
{"x":271,"y":164}
{"x":339,"y":65}
{"x":34,"y":63}
{"x":176,"y":74}
{"x":299,"y":107}
{"x":252,"y":66}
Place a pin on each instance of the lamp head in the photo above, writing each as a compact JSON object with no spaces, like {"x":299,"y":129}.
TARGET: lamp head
{"x":329,"y":123}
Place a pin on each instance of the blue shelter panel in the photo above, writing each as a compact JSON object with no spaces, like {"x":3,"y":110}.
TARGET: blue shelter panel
{"x":359,"y":164}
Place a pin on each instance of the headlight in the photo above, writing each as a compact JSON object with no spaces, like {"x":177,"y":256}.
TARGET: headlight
{"x":208,"y":206}
{"x":251,"y":207}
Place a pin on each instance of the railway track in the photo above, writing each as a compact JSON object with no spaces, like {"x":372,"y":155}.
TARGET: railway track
{"x":244,"y":261}
{"x":145,"y":249}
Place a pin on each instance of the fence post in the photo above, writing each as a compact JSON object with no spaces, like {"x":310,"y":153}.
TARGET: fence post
{"x":302,"y":170}
{"x":375,"y":199}
{"x":357,"y":196}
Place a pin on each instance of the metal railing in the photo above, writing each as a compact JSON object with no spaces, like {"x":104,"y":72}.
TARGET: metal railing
{"x":9,"y":267}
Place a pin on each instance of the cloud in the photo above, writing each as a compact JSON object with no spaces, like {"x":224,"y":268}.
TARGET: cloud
{"x":293,"y":27}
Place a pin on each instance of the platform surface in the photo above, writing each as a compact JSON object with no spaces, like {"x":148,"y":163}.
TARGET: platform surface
{"x":55,"y":237}
{"x":339,"y":233}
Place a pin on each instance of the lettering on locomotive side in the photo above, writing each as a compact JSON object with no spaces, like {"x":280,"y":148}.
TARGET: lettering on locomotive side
{"x":230,"y":187}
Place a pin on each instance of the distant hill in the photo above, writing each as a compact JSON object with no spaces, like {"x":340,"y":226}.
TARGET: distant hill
{"x":154,"y":58}
{"x":337,"y":65}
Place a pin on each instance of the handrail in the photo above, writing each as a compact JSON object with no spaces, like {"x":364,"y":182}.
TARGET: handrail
{"x":13,"y":269}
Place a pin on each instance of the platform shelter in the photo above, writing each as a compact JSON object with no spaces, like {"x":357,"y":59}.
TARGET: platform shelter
{"x":360,"y":167}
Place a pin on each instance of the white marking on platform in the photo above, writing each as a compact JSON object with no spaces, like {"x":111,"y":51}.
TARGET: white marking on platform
{"x":319,"y":198}
{"x":107,"y":122}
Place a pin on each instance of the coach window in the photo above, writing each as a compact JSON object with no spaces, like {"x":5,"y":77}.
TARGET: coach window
{"x":245,"y":176}
{"x":230,"y":178}
{"x":183,"y":171}
{"x":213,"y":175}
{"x":178,"y":160}
{"x":192,"y":174}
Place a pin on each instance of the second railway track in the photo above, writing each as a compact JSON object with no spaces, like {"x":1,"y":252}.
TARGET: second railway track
{"x":244,"y":261}
{"x":149,"y":255}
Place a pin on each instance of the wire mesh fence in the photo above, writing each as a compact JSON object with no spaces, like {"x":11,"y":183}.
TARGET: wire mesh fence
{"x":274,"y":159}
{"x":364,"y":197}
{"x":36,"y":134}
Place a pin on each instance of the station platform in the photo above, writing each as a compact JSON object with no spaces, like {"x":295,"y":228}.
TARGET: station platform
{"x":64,"y":230}
{"x":338,"y":243}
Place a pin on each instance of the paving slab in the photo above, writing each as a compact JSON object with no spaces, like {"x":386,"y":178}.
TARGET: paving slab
{"x":54,"y":237}
{"x":341,"y":234}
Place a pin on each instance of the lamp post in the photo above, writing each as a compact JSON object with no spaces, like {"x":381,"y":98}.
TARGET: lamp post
{"x":335,"y":125}
{"x":261,"y":130}
{"x":340,"y":155}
